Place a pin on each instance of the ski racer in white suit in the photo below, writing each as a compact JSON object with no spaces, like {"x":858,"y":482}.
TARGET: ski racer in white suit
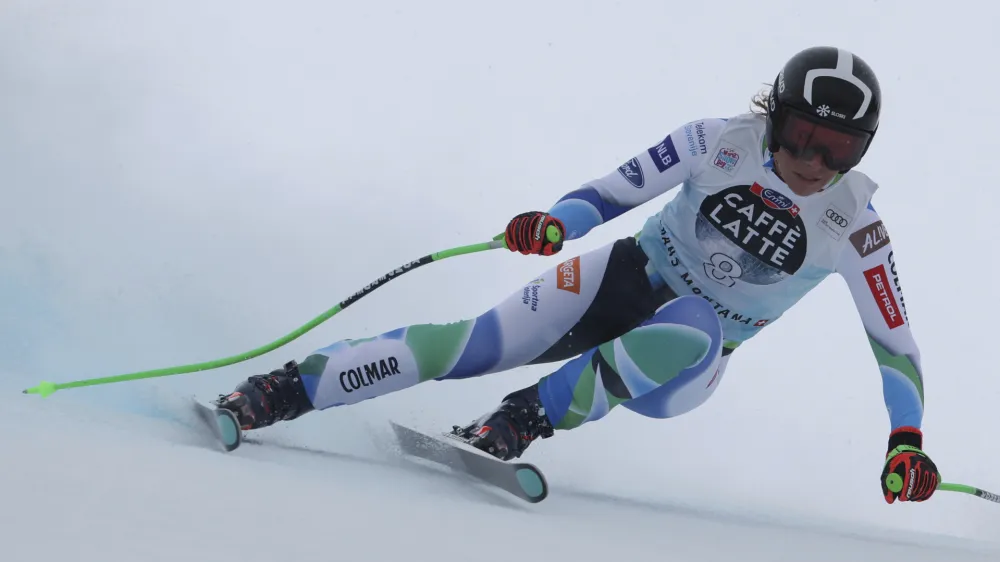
{"x":769,"y":205}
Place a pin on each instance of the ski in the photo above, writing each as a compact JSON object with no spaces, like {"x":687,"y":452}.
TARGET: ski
{"x":221,"y":424}
{"x":523,"y":480}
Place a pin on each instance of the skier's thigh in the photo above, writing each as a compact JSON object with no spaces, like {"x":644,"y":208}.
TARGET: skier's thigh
{"x":683,"y":394}
{"x":661,"y":364}
{"x":539,"y":314}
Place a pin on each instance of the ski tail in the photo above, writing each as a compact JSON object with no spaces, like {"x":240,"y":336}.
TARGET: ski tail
{"x":221,"y":424}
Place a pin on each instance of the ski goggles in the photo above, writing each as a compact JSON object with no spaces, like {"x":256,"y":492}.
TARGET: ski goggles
{"x":804,"y":136}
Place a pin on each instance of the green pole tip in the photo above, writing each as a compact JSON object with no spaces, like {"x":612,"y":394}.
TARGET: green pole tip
{"x":552,"y":233}
{"x":894,"y":482}
{"x":43,"y":389}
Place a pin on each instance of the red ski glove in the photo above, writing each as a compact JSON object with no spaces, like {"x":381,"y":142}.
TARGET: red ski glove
{"x":909,"y":474}
{"x":535,"y":233}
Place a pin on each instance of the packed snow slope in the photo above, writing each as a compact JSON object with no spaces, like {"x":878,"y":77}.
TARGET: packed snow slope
{"x":91,"y":484}
{"x":184,"y":181}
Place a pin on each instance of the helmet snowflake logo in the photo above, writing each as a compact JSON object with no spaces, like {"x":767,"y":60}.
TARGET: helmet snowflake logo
{"x":823,"y":110}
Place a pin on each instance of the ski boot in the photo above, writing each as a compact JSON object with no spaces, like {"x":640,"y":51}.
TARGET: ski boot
{"x":262,"y":400}
{"x":507,"y":431}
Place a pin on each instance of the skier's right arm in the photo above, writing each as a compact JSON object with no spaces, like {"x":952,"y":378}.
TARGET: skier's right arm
{"x":647,"y":175}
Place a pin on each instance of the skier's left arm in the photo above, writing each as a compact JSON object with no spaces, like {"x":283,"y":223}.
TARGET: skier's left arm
{"x":868,"y":265}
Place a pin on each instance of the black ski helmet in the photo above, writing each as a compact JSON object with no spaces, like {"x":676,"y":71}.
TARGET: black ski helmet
{"x":828,"y":83}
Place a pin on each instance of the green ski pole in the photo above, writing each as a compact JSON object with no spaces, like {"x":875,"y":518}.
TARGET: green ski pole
{"x":970,"y":490}
{"x":46,"y":388}
{"x":895,"y":484}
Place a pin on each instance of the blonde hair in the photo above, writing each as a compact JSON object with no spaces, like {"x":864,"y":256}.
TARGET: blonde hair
{"x":759,"y":103}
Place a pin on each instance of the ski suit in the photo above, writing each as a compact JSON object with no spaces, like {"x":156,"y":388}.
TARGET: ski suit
{"x":650,"y":321}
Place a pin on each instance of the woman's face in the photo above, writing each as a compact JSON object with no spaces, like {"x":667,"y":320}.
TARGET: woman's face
{"x":803,"y":176}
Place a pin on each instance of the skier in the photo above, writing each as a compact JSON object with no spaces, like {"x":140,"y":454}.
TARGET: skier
{"x":769,"y":206}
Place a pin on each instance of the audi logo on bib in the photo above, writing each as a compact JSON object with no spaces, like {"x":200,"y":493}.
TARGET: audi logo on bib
{"x":835,"y":221}
{"x":836,"y":218}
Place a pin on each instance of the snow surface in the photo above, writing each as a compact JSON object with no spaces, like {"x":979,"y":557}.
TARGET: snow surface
{"x":123,"y":486}
{"x":184,"y":181}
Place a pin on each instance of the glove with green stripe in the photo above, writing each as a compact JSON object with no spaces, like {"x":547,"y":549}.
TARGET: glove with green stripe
{"x":535,"y":232}
{"x":908,"y":474}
